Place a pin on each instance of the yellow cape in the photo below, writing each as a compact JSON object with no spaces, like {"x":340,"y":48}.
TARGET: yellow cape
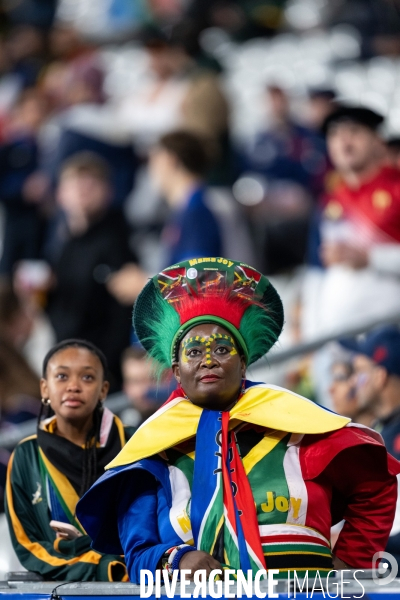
{"x":266,"y":405}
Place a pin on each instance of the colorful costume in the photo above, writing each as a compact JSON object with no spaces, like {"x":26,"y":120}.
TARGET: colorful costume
{"x":257,"y":486}
{"x":43,"y":484}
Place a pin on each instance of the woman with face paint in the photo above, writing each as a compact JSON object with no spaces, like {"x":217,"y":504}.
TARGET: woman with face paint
{"x":230,"y":473}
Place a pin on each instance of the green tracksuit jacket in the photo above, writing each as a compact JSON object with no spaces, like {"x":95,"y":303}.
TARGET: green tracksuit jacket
{"x":34,"y":541}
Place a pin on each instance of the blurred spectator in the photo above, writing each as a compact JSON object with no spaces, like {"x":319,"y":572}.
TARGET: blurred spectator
{"x":18,"y":193}
{"x":32,"y":281}
{"x":25,"y":51}
{"x":377,"y":370}
{"x":19,"y":388}
{"x":174,"y":93}
{"x":19,"y":385}
{"x":321,"y":103}
{"x":177,"y":166}
{"x":15,"y":321}
{"x":177,"y":93}
{"x":145,"y":395}
{"x":94,"y":244}
{"x":343,"y":391}
{"x":82,"y":121}
{"x":19,"y":396}
{"x":356,"y":234}
{"x":84,"y":81}
{"x":286,"y":150}
{"x":291,"y":161}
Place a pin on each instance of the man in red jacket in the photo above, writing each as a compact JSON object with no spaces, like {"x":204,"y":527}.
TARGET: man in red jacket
{"x":357,"y":235}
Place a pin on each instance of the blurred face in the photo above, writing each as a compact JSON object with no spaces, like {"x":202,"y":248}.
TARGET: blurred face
{"x":64,"y":41}
{"x":137,"y":378}
{"x":342,"y":391}
{"x":138,"y":382}
{"x":369,"y":379}
{"x":210,"y":367}
{"x":83,"y":193}
{"x":278,"y":103}
{"x":31,"y":112}
{"x":54,"y":84}
{"x":74,"y":384}
{"x":25,"y":41}
{"x":162,"y":166}
{"x":353,"y":147}
{"x":164,"y":61}
{"x":18,"y":328}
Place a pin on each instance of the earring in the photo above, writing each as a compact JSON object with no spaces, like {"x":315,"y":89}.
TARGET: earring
{"x":46,"y":401}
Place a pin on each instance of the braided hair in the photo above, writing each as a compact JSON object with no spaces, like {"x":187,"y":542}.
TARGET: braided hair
{"x":89,"y":471}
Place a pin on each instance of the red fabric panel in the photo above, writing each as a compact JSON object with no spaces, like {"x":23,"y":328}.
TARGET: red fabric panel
{"x":357,"y":477}
{"x":369,"y":493}
{"x":361,"y":205}
{"x":317,"y":451}
{"x":218,"y":305}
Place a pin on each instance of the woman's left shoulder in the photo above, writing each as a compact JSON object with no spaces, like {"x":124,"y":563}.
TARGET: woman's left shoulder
{"x":317,"y":451}
{"x":353,"y":434}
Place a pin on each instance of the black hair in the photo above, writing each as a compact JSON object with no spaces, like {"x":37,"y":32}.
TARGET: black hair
{"x":87,"y":163}
{"x":75,"y":343}
{"x":89,"y":472}
{"x":189,"y":149}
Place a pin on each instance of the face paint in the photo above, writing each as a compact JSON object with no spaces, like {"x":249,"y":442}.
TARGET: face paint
{"x":192,"y":342}
{"x":208,"y":351}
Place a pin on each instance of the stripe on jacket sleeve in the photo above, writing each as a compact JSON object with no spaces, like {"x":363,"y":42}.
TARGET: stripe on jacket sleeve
{"x":297,"y":487}
{"x":36,"y":548}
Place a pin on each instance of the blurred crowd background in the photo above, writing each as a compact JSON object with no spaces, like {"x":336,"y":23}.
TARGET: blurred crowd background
{"x":113,"y":113}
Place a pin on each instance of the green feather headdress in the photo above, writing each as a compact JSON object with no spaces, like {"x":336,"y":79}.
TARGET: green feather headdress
{"x":208,"y":290}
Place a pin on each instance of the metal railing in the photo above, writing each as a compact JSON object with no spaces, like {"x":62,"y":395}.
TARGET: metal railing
{"x":118,"y":402}
{"x":313,"y":345}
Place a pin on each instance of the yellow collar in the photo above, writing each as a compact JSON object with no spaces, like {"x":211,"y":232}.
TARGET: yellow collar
{"x":265,"y":405}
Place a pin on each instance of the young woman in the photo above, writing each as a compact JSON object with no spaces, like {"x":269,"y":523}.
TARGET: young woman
{"x":51,"y":470}
{"x":231,"y":472}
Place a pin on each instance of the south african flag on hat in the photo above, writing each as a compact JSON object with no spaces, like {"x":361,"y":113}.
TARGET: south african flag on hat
{"x":208,"y":290}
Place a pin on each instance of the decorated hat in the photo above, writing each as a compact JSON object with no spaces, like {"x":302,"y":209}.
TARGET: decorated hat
{"x":354,"y":114}
{"x":208,"y":290}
